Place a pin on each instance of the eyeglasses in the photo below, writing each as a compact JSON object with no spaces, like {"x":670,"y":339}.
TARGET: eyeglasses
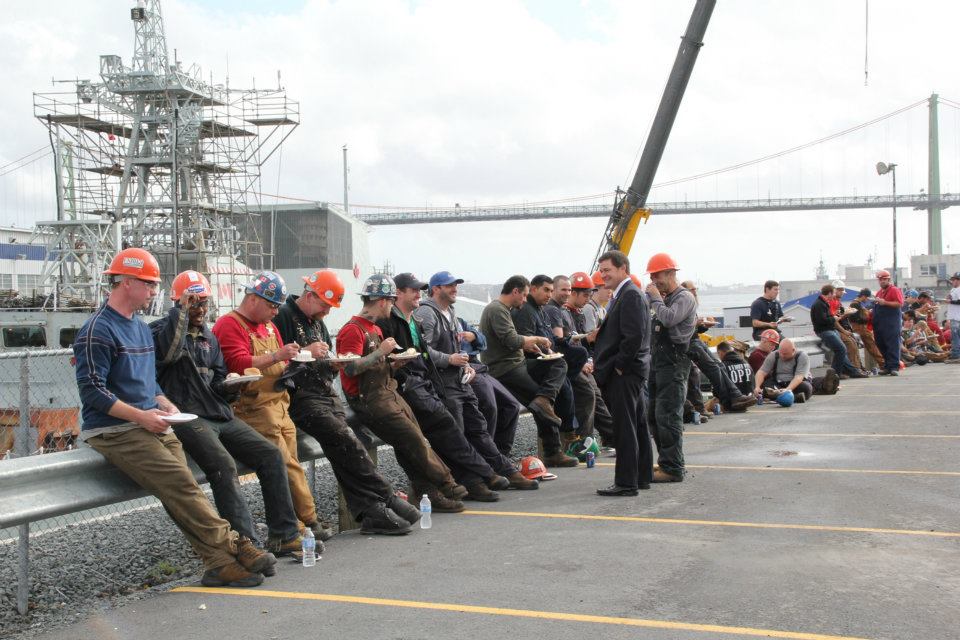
{"x":203,"y":304}
{"x":149,"y":283}
{"x":272,"y":305}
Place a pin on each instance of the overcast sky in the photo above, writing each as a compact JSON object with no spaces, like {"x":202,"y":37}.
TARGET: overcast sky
{"x":508,"y":101}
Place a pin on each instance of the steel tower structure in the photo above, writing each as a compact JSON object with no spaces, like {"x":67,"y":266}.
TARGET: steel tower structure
{"x":155,"y":156}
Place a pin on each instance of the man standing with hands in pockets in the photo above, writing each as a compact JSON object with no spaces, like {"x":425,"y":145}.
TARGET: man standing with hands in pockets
{"x":620,"y":368}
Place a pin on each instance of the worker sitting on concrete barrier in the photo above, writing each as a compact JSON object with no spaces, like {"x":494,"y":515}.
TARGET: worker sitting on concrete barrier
{"x":124,"y":413}
{"x":191,"y":370}
{"x":860,"y":323}
{"x":316,"y":409}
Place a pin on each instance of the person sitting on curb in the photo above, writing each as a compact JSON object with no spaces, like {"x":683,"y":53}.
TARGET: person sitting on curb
{"x":860,"y":323}
{"x":788,"y":369}
{"x":825,"y":326}
{"x":769,"y":341}
{"x":123,"y":418}
{"x":192,"y":372}
{"x":736,"y":368}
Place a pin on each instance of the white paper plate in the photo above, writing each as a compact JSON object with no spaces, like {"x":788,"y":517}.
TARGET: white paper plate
{"x":550,"y":356}
{"x":400,"y":357}
{"x":179,"y":417}
{"x":235,"y":381}
{"x":297,"y":358}
{"x":339,"y":360}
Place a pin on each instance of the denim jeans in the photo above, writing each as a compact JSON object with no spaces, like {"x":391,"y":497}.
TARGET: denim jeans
{"x":841,"y":363}
{"x":954,"y":339}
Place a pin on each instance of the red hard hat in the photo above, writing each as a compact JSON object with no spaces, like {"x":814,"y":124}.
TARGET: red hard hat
{"x":327,"y":285}
{"x":532,"y":468}
{"x":597,"y":280}
{"x":636,"y":280}
{"x":771,"y":335}
{"x":135,"y":262}
{"x":581,"y":280}
{"x":661,"y":262}
{"x":883,"y":273}
{"x":192,"y":282}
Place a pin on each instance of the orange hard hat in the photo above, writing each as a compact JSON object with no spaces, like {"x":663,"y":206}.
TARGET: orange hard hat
{"x":661,"y":262}
{"x":636,"y":280}
{"x":582,"y":281}
{"x":883,"y":273}
{"x":327,"y":285}
{"x":532,"y":467}
{"x":597,"y":280}
{"x":771,"y":335}
{"x":135,"y":262}
{"x":192,"y":282}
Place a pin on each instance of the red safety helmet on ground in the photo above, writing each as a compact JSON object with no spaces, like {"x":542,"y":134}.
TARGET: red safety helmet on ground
{"x":883,"y":273}
{"x":191,"y":282}
{"x":581,"y":281}
{"x":597,"y":280}
{"x":661,"y":262}
{"x":532,"y":468}
{"x":771,"y":335}
{"x":135,"y":262}
{"x":636,"y":280}
{"x":327,"y":285}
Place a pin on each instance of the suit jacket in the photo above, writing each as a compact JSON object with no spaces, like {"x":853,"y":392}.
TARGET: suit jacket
{"x":623,"y":341}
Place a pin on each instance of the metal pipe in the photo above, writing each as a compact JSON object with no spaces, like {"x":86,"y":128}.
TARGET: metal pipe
{"x":23,"y":435}
{"x":896,"y":276}
{"x":23,"y":568}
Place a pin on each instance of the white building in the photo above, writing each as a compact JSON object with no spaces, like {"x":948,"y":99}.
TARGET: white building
{"x":21,"y":262}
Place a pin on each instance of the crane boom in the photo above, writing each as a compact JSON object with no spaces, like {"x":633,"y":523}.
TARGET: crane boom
{"x":628,"y":208}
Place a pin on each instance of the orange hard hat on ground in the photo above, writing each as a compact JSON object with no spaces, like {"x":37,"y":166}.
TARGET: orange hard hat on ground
{"x":191,"y":282}
{"x":661,"y":262}
{"x":771,"y":335}
{"x":636,"y":280}
{"x":581,"y":281}
{"x":883,"y":273}
{"x":327,"y":285}
{"x":135,"y":262}
{"x":532,"y":468}
{"x":597,"y":280}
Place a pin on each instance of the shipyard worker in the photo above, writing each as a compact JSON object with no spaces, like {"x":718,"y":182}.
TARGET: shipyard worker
{"x":251,"y":345}
{"x":596,"y":310}
{"x":737,"y":368}
{"x":123,"y":411}
{"x":769,"y":341}
{"x":674,"y":324}
{"x":860,"y":323}
{"x":498,"y":405}
{"x":825,"y":326}
{"x":887,"y":322}
{"x":423,"y":388}
{"x":553,"y":309}
{"x":192,"y":372}
{"x":953,"y":315}
{"x":788,"y":368}
{"x":535,"y":383}
{"x":440,"y":334}
{"x":841,"y":318}
{"x":621,"y":367}
{"x":316,"y":409}
{"x":765,"y":311}
{"x":703,"y":359}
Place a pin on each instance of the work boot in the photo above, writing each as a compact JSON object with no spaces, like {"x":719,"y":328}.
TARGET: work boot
{"x":830,"y":383}
{"x":442,"y":504}
{"x":453,"y":491}
{"x":322,"y":531}
{"x":659,"y":475}
{"x":279,"y":548}
{"x":230,"y":575}
{"x":404,"y":509}
{"x":478,"y":491}
{"x":498,"y":483}
{"x":383,"y":520}
{"x":542,"y":407}
{"x":742,"y":403}
{"x":559,"y":459}
{"x":519,"y":481}
{"x":253,"y":559}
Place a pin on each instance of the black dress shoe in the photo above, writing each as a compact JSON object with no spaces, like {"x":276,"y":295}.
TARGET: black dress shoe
{"x":617,"y":490}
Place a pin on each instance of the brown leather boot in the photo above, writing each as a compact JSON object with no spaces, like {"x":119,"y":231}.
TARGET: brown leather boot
{"x":452,"y":490}
{"x":519,"y":481}
{"x":253,"y":559}
{"x":231,"y":575}
{"x":560,"y":459}
{"x":543,"y":407}
{"x":480,"y":492}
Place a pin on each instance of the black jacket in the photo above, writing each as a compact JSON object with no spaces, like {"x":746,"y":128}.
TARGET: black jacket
{"x":530,"y":320}
{"x":623,"y":341}
{"x":398,"y":328}
{"x":191,"y":369}
{"x":739,"y":371}
{"x":295,"y":326}
{"x":820,"y":316}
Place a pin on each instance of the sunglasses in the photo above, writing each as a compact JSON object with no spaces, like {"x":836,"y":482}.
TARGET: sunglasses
{"x":149,"y":283}
{"x":272,"y":305}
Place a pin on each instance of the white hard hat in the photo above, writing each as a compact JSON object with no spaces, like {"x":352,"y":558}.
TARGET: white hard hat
{"x":838,"y":284}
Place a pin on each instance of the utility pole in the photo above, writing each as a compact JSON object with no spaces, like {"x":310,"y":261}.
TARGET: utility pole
{"x":346,"y":186}
{"x":934,"y":233}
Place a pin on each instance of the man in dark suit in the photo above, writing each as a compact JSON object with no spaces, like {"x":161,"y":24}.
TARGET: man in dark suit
{"x":621,"y":355}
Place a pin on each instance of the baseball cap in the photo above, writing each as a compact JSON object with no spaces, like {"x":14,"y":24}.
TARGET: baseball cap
{"x":925,"y":294}
{"x":408,"y":281}
{"x":838,"y":284}
{"x":771,"y":335}
{"x":443,"y":278}
{"x":866,"y":292}
{"x":955,"y":276}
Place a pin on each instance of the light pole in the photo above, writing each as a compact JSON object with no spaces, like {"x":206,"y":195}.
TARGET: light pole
{"x":882,"y":168}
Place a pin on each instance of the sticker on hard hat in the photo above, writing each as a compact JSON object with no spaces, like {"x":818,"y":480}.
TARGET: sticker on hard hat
{"x":328,"y":294}
{"x":136,"y":263}
{"x":313,"y":278}
{"x":193,"y":276}
{"x":195,"y":288}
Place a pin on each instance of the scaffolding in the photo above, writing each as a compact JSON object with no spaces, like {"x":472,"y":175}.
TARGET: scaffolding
{"x":155,"y":156}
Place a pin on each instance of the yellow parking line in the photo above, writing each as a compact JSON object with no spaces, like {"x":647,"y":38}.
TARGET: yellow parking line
{"x":717,"y":523}
{"x":897,"y":472}
{"x":818,"y":435}
{"x":903,"y":412}
{"x":516,"y":613}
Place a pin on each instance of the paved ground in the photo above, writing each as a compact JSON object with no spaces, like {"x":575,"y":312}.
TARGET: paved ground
{"x":838,"y":518}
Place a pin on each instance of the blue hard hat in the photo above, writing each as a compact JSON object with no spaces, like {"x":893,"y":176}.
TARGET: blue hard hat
{"x":269,"y":286}
{"x":379,"y":286}
{"x":912,"y":293}
{"x":785,"y":399}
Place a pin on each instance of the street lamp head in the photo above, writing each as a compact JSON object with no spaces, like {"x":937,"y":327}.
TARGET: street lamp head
{"x":883,"y":168}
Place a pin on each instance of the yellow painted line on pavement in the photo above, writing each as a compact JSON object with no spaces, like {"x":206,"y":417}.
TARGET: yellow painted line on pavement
{"x":819,"y":435}
{"x":905,"y":412}
{"x":897,"y":395}
{"x":897,"y":472}
{"x":717,"y":523}
{"x":515,"y":613}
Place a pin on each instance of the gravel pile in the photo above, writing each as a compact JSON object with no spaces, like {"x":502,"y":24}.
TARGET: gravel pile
{"x":81,"y":568}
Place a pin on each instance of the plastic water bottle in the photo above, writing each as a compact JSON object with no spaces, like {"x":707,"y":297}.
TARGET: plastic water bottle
{"x":696,"y":417}
{"x":425,"y":513}
{"x":309,"y":548}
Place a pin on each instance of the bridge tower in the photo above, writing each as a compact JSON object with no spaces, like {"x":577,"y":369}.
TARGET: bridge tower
{"x":934,"y":235}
